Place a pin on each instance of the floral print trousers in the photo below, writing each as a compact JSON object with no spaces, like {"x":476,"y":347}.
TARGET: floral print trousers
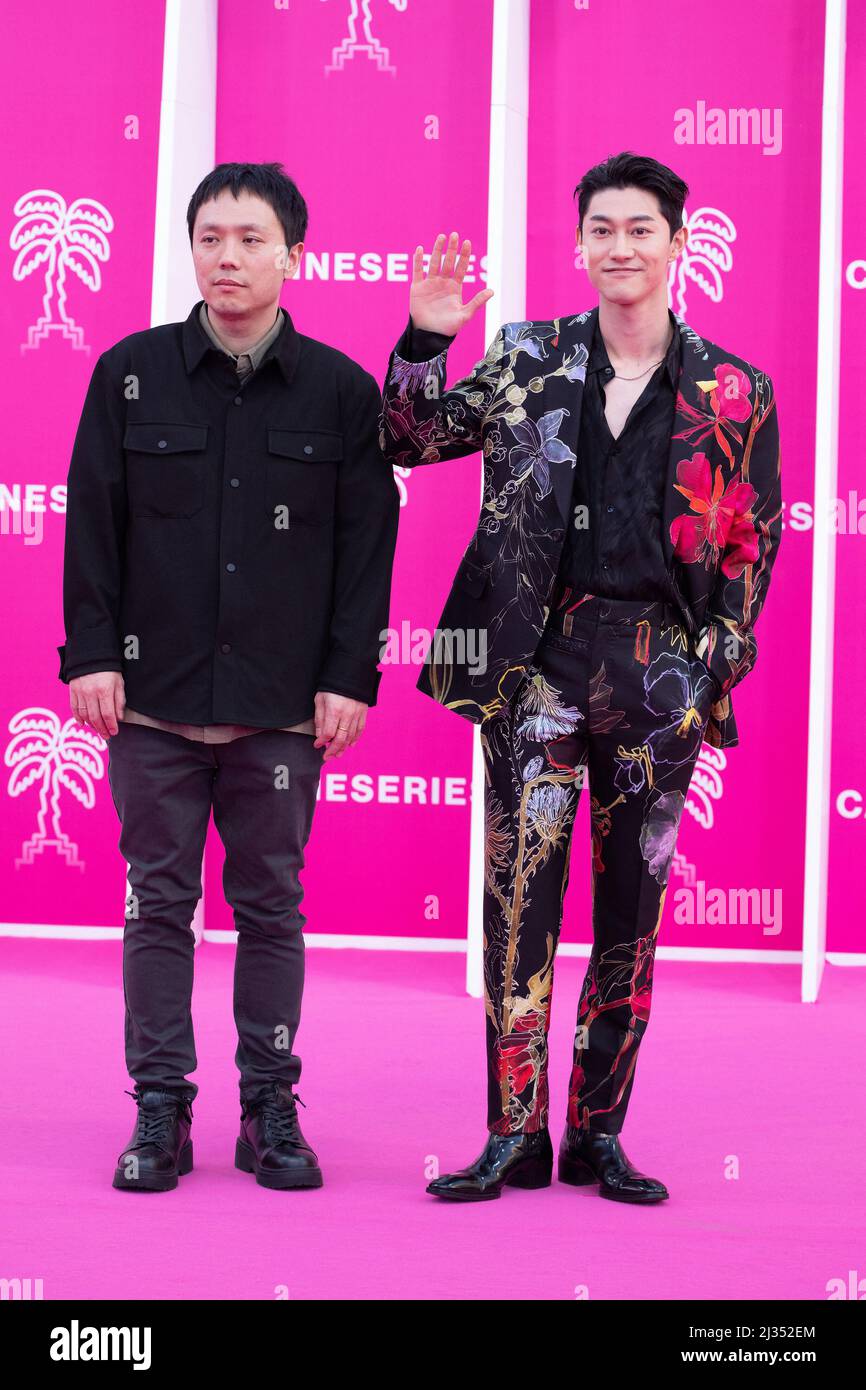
{"x":615,"y":698}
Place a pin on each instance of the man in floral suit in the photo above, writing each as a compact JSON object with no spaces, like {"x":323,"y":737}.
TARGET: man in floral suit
{"x":630,"y":521}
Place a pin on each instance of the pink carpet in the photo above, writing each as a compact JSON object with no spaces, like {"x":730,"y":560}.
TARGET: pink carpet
{"x":733,"y":1071}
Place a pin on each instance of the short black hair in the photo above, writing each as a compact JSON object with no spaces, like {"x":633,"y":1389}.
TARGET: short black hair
{"x":268,"y":182}
{"x":629,"y":170}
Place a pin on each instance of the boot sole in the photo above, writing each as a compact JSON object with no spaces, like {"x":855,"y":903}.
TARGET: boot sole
{"x":576,"y":1173}
{"x":156,"y":1182}
{"x":245,"y":1160}
{"x":527,"y":1177}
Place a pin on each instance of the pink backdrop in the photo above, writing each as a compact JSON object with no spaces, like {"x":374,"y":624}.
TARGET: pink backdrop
{"x":389,"y":148}
{"x":846,"y":903}
{"x":79,"y":123}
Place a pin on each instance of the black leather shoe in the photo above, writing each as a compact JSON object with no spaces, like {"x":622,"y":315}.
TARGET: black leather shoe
{"x":508,"y":1160}
{"x":160,"y":1148}
{"x":271,"y":1144}
{"x":587,"y":1156}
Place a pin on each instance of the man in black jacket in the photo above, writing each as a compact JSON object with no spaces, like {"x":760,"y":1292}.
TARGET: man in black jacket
{"x":231,"y":525}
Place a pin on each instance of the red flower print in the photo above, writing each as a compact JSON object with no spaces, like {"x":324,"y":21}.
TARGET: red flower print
{"x":517,"y":1061}
{"x":721,"y":523}
{"x":519,"y":1070}
{"x":728,"y":405}
{"x":733,"y":392}
{"x":518,"y":1065}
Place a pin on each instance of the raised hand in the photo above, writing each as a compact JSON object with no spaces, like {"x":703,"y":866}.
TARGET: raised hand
{"x":436,"y":299}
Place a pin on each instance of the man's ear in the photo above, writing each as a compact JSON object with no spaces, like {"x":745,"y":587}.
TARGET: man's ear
{"x":290,"y":274}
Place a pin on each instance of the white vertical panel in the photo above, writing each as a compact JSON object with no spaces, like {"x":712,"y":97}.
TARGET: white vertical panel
{"x":506,"y":274}
{"x":187,"y":149}
{"x":823,"y":538}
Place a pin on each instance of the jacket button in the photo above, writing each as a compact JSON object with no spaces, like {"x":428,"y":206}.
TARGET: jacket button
{"x":239,"y":400}
{"x":231,"y":568}
{"x":226,"y":647}
{"x":308,"y":448}
{"x":236,"y":482}
{"x":162,"y":444}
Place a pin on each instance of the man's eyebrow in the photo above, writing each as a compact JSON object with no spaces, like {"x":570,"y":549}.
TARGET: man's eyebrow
{"x":244,"y":227}
{"x":636,"y":217}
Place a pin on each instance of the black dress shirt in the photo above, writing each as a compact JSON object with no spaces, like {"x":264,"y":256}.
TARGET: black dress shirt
{"x":229,"y":547}
{"x":614,"y":545}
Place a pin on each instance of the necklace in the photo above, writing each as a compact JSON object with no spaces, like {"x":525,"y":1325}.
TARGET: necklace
{"x":617,"y":376}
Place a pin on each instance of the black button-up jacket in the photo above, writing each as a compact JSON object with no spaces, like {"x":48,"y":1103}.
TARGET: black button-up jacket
{"x":229,"y":548}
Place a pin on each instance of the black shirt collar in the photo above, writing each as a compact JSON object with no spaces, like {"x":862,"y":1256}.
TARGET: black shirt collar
{"x":285,"y":348}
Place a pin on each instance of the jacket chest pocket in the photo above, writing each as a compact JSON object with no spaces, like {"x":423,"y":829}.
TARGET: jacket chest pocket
{"x":165,"y":468}
{"x":301,"y":476}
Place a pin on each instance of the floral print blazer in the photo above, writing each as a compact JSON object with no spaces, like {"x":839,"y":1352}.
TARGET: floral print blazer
{"x":520,"y":405}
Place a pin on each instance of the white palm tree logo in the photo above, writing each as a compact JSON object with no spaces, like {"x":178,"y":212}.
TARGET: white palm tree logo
{"x":55,"y":755}
{"x":400,"y":476}
{"x":351,"y":44}
{"x":61,"y":238}
{"x":706,"y":786}
{"x":705,"y":259}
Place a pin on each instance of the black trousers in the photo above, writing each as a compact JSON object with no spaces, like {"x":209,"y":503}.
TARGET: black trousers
{"x":617,"y":696}
{"x":262,"y":788}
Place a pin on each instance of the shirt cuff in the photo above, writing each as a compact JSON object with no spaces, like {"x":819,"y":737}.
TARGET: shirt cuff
{"x":86,"y":666}
{"x":420,"y":345}
{"x":346,"y":675}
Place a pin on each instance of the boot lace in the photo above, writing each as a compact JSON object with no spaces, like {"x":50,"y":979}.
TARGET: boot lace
{"x":281,"y":1120}
{"x":155,"y":1126}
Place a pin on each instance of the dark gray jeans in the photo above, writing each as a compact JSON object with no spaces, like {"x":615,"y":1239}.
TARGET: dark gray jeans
{"x":262,"y":788}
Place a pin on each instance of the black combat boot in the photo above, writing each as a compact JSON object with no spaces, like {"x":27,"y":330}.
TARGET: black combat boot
{"x":271,"y":1144}
{"x":160,"y":1148}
